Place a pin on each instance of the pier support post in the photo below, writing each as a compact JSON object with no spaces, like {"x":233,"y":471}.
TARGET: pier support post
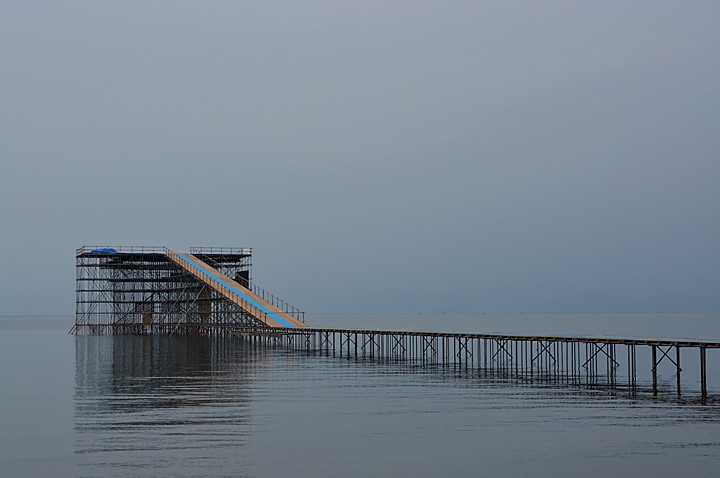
{"x":677,"y":364}
{"x":654,"y":370}
{"x":703,"y":373}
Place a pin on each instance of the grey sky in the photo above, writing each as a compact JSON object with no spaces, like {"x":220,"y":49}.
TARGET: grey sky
{"x":378,"y":156}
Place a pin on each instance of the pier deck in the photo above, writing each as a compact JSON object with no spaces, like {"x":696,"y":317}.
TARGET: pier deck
{"x":596,"y":361}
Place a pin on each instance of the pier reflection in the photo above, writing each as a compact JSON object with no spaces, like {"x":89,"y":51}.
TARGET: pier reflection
{"x":141,"y":402}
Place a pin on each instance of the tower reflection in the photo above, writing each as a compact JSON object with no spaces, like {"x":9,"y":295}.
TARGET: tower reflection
{"x":163,"y":404}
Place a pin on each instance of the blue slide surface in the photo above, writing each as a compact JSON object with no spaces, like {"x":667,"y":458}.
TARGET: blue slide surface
{"x":270,"y":313}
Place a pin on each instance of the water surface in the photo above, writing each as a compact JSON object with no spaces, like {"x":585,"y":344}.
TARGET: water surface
{"x":135,"y":406}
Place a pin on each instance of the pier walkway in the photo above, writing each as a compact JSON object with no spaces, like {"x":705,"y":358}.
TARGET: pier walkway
{"x":636,"y":365}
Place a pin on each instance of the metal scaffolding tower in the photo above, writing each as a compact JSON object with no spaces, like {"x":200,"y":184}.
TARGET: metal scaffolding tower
{"x":140,"y":289}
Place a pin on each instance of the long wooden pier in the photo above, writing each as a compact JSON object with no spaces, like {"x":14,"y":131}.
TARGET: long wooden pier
{"x":629,"y":364}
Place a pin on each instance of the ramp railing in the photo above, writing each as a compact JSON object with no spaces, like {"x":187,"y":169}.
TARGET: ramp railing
{"x":219,"y":287}
{"x":277,"y":302}
{"x":265,"y":295}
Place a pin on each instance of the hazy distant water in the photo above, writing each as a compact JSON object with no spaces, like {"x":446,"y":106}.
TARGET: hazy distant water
{"x":188,"y":406}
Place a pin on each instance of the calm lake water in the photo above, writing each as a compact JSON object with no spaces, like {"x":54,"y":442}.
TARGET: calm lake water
{"x":132,"y":406}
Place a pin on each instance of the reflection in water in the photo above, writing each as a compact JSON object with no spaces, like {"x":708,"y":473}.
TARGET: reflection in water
{"x":143,"y":401}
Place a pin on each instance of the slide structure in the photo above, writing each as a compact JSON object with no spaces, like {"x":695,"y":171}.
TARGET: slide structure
{"x":233,"y":291}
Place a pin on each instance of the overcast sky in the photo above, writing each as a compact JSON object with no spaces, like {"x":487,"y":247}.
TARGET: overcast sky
{"x":379,"y":157}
